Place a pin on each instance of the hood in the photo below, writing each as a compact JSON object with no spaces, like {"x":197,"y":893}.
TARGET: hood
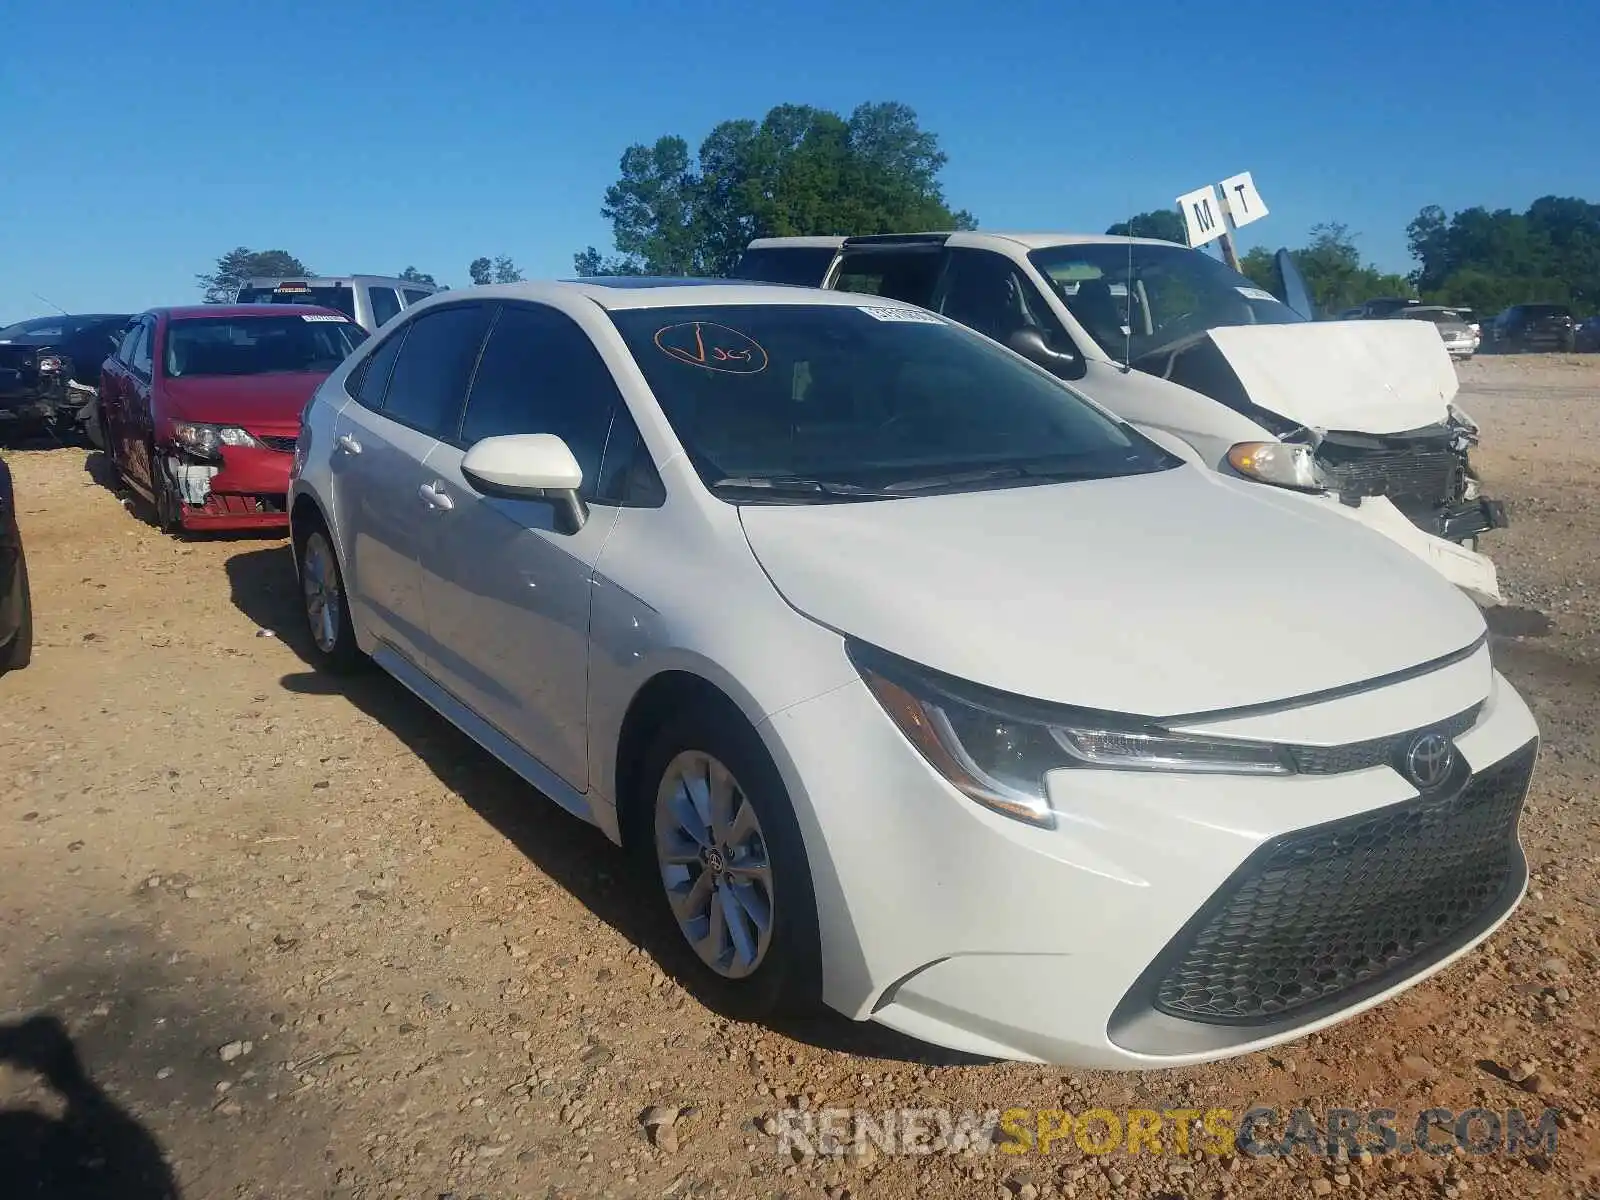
{"x":1181,"y":592}
{"x":1377,"y":377}
{"x":274,"y":399}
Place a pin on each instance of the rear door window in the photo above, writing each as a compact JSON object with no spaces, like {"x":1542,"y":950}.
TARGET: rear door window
{"x":371,"y":380}
{"x":414,"y":296}
{"x":141,"y":359}
{"x":433,"y":369}
{"x":385,"y":304}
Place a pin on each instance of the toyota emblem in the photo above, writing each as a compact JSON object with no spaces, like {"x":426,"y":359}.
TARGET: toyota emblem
{"x":1429,"y":759}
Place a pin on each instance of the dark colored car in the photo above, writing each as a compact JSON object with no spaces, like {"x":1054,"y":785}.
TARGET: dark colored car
{"x":1534,"y":327}
{"x":37,"y":359}
{"x":1587,"y":335}
{"x":16,"y":606}
{"x":200,"y":407}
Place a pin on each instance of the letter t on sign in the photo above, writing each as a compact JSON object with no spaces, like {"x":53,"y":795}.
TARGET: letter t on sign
{"x":1243,"y":201}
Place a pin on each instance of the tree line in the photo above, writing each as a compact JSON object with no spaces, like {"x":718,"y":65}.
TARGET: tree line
{"x":804,"y":170}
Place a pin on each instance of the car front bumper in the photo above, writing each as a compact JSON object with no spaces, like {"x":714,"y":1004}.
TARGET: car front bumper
{"x":41,"y":405}
{"x":247,"y":489}
{"x":955,"y":925}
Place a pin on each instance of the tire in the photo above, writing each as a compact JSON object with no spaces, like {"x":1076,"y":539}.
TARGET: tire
{"x":18,"y":652}
{"x":325,"y":605}
{"x":168,"y":506}
{"x":784,"y":976}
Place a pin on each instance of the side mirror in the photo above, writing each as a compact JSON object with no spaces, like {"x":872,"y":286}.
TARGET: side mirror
{"x":1029,"y":341}
{"x":529,"y":466}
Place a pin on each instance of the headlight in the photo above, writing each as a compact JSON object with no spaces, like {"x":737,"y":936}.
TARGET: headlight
{"x":207,"y":441}
{"x":1282,"y":464}
{"x":997,"y":749}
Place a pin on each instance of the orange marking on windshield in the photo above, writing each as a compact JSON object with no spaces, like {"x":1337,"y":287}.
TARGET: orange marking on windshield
{"x":731,"y":352}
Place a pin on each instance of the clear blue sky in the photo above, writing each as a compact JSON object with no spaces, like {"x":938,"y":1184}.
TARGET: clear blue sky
{"x":140,"y":141}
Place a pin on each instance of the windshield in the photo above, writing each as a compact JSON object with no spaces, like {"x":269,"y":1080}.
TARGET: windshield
{"x":1436,"y":315}
{"x":47,"y":329}
{"x":1136,"y":304}
{"x":806,"y":266}
{"x":338,"y":296}
{"x":298,"y":344}
{"x":824,"y":401}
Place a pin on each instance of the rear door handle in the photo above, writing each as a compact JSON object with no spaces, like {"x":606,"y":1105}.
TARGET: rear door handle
{"x":435,"y":495}
{"x":348,"y":444}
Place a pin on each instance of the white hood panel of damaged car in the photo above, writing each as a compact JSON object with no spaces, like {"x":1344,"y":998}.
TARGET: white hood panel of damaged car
{"x":1359,"y":376}
{"x":1177,"y":592}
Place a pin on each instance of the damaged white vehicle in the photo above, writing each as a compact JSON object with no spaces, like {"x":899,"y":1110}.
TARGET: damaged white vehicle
{"x":1355,"y":415}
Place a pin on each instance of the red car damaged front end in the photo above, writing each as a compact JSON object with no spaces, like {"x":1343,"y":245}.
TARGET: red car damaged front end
{"x":230,"y":476}
{"x":227,"y":413}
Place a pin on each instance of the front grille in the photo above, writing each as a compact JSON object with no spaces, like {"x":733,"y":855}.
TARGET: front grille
{"x":1358,"y":756}
{"x":1351,"y":906}
{"x":284,"y":445}
{"x":1418,"y":476}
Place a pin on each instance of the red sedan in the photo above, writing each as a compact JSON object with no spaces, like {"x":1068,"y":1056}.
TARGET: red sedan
{"x":200,"y":407}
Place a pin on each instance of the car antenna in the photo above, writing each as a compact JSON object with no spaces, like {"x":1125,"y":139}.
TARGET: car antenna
{"x":52,"y":304}
{"x":1127,"y":327}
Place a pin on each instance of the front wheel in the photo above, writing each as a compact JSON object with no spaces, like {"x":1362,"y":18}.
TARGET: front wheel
{"x":18,"y":652}
{"x":325,"y":605}
{"x":718,"y":825}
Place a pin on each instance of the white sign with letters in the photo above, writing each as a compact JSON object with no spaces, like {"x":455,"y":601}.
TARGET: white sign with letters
{"x":1243,"y":202}
{"x":1202,"y":215}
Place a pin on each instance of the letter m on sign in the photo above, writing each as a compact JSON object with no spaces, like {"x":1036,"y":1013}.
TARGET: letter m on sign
{"x":1202,"y":216}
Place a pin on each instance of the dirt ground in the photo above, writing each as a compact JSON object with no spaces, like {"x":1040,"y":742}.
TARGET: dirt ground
{"x":268,"y":935}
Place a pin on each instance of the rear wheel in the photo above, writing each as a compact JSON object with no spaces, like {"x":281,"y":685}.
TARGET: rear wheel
{"x":716,"y":825}
{"x":326,"y":608}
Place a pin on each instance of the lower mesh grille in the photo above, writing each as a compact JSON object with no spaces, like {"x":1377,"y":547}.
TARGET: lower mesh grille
{"x":284,"y":445}
{"x":1352,"y":904}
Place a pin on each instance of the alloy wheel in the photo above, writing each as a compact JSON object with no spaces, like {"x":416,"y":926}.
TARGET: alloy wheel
{"x":319,"y":578}
{"x":714,"y":864}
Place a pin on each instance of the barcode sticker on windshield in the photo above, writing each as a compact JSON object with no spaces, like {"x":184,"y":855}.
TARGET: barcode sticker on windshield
{"x":1255,"y":293}
{"x":321,"y":317}
{"x":914,"y":315}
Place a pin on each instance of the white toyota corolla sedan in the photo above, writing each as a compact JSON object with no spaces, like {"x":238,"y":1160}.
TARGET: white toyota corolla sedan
{"x":923,"y":686}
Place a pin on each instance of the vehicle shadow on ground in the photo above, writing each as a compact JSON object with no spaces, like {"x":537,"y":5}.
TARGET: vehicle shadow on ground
{"x":573,"y":853}
{"x":93,"y":1148}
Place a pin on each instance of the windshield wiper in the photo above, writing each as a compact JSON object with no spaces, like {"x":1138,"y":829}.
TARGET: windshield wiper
{"x":1041,"y":470}
{"x":788,"y":485}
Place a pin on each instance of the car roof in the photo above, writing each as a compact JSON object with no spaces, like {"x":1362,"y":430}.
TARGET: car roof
{"x":269,"y":280}
{"x":617,"y":293}
{"x":984,"y":239}
{"x":192,"y":311}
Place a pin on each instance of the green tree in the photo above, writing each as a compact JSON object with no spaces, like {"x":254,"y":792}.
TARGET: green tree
{"x":1550,"y":252}
{"x":1164,"y":223}
{"x":413,"y":275}
{"x":497,"y":270}
{"x":221,"y":286}
{"x":799,"y":170}
{"x":1334,"y":273}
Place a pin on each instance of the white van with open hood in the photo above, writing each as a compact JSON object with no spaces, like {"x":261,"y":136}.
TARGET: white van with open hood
{"x":1356,"y":415}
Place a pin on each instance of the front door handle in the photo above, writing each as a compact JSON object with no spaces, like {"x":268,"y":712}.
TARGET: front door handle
{"x":348,"y":444}
{"x":435,"y":495}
